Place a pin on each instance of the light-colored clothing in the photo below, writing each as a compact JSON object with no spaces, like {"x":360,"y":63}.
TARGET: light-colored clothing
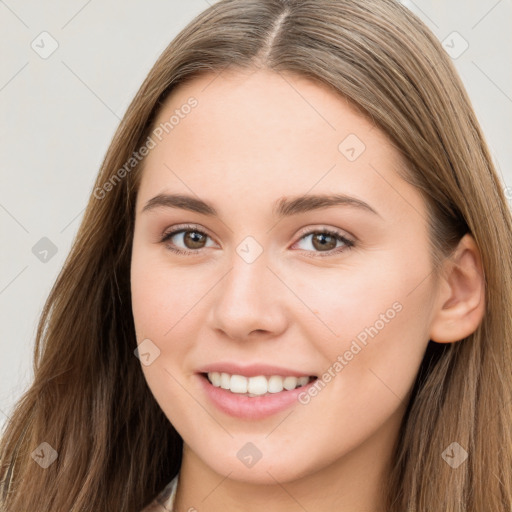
{"x":164,"y":502}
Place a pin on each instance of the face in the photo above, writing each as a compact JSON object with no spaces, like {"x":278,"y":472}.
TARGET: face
{"x":281,"y":335}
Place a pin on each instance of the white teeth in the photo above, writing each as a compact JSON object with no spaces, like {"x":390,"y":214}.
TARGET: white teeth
{"x":255,"y":386}
{"x":290,"y":383}
{"x":215,"y":378}
{"x":275,"y":384}
{"x":303,"y":381}
{"x":238,"y":384}
{"x":224,"y":380}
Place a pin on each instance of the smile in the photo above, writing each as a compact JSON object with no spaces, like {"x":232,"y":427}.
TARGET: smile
{"x":259,"y":385}
{"x":256,"y":396}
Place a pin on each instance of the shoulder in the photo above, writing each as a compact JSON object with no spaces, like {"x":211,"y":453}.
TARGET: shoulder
{"x":165,"y":500}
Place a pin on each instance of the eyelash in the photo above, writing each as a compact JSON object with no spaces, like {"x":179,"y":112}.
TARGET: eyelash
{"x":189,"y":228}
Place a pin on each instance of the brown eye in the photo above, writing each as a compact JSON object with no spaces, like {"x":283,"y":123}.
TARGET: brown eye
{"x":194,"y":239}
{"x":323,"y":241}
{"x":185,"y":241}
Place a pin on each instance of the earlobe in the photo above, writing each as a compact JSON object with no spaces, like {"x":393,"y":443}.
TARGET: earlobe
{"x":460,"y":305}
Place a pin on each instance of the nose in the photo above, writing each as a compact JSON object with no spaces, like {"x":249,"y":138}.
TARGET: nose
{"x":249,"y":302}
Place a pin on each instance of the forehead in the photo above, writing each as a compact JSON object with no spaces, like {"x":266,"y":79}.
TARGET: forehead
{"x":252,"y":107}
{"x":261,"y":133}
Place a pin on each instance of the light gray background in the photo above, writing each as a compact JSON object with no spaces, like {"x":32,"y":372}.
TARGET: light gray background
{"x":59,"y":114}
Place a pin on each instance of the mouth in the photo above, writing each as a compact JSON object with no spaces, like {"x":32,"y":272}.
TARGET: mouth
{"x":257,"y":385}
{"x":253,"y":391}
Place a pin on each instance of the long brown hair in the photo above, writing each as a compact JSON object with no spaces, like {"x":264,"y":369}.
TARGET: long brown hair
{"x":89,"y":400}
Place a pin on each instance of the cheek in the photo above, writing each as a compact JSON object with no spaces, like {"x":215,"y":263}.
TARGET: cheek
{"x":161,"y":294}
{"x":168,"y":305}
{"x":372,"y":360}
{"x":371,"y":327}
{"x":161,"y":298}
{"x":360,"y":302}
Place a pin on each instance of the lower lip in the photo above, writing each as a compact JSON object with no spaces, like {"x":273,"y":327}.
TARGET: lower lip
{"x":253,"y":408}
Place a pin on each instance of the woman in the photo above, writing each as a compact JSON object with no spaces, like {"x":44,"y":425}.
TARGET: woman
{"x":199,"y":353}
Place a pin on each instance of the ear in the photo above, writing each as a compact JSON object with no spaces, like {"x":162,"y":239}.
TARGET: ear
{"x":460,"y":303}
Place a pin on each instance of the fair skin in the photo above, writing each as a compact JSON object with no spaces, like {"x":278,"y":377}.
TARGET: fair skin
{"x":252,"y":140}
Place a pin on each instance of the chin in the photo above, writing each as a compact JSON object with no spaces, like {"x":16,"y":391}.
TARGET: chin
{"x":266,"y":471}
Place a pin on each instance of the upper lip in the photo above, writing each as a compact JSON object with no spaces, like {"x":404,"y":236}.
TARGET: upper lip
{"x":252,"y":370}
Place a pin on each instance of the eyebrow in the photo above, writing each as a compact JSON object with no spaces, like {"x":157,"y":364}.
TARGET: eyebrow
{"x":284,"y":207}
